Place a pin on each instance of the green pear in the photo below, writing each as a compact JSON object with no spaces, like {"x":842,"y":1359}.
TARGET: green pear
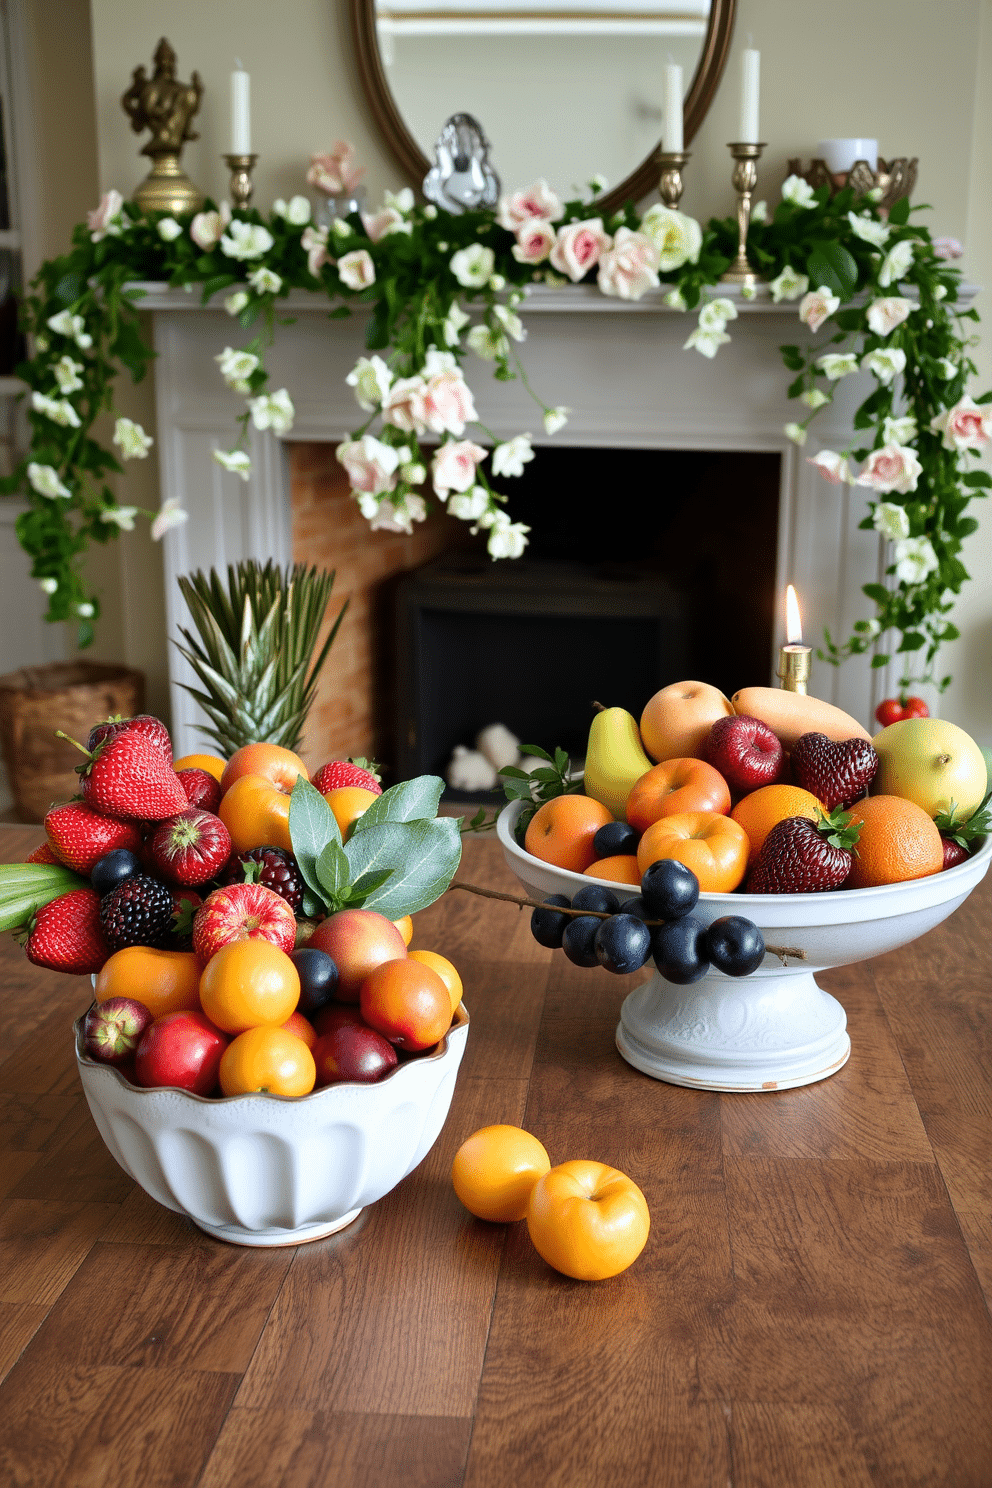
{"x":615,"y":759}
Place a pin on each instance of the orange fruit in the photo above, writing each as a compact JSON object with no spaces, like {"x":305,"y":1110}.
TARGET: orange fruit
{"x":445,"y":971}
{"x":587,"y":1220}
{"x":212,"y":763}
{"x":561,"y":831}
{"x":268,"y":1059}
{"x":621,"y":869}
{"x":712,"y":845}
{"x":674,"y":787}
{"x":256,"y":813}
{"x":279,"y":766}
{"x":165,"y":981}
{"x":765,"y":808}
{"x":349,"y":802}
{"x":898,"y":841}
{"x":407,"y":1002}
{"x":248,"y":983}
{"x":302,"y":1028}
{"x":405,"y":927}
{"x":494,"y":1171}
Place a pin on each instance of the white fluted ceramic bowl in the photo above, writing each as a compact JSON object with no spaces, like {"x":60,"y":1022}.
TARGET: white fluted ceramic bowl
{"x":776,"y":1028}
{"x":269,"y":1169}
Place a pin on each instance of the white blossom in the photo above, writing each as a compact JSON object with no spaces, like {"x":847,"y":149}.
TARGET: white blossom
{"x":675,"y":300}
{"x":356,"y":269}
{"x":48,"y":586}
{"x":45,"y":480}
{"x":837,"y":364}
{"x":207,"y":228}
{"x":869,"y":628}
{"x":245,"y":240}
{"x":169,"y":229}
{"x":59,"y":410}
{"x":236,"y":367}
{"x":470,"y":505}
{"x":273,"y":411}
{"x":297,"y":211}
{"x":555,"y":419}
{"x":472,"y":266}
{"x":678,"y":238}
{"x":131,"y":439}
{"x":715,"y":313}
{"x":894,"y":467}
{"x":238,"y":462}
{"x":170,"y":514}
{"x":891,"y":521}
{"x":414,"y":474}
{"x":511,"y":457}
{"x":506,"y":539}
{"x":886,"y":363}
{"x":510,"y":322}
{"x":816,"y":306}
{"x":759,"y":212}
{"x":965,"y":426}
{"x":896,"y":263}
{"x":915,"y":558}
{"x":798,"y":192}
{"x":264,"y":281}
{"x":342,"y":228}
{"x":454,"y":323}
{"x":899,"y":430}
{"x":120,"y":516}
{"x":796,"y":433}
{"x":486,"y":344}
{"x":67,"y":374}
{"x":832,"y":466}
{"x":707,"y":343}
{"x":884,"y":315}
{"x":84,"y":609}
{"x":946,"y":369}
{"x":106,"y":220}
{"x":814,"y":398}
{"x":236,"y":302}
{"x":749,"y":291}
{"x":400,"y":201}
{"x":788,"y":285}
{"x":73,"y":326}
{"x":868,"y":230}
{"x":371,"y":379}
{"x":497,"y":282}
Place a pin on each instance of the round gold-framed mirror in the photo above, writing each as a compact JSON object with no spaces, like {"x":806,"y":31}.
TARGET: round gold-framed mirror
{"x":422,"y":60}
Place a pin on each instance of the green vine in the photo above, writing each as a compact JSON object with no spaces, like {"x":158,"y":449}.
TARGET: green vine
{"x":875,"y":290}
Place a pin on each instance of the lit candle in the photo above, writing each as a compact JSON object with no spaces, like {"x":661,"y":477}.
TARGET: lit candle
{"x":793,"y":658}
{"x":240,"y":111}
{"x":750,"y":73}
{"x":672,"y":132}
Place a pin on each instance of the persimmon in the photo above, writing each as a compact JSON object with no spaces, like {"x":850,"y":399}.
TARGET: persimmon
{"x":256,"y":813}
{"x":494,"y":1171}
{"x":676,"y":786}
{"x":249,"y":983}
{"x":348,"y":803}
{"x":715,"y":847}
{"x":445,"y":971}
{"x":212,"y":763}
{"x":165,"y":981}
{"x":562,"y":831}
{"x":619,"y":869}
{"x":267,"y":1059}
{"x":587,"y":1220}
{"x":407,"y":1002}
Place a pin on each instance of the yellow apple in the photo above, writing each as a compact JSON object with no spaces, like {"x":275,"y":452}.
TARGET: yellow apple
{"x":677,"y":720}
{"x":932,"y":762}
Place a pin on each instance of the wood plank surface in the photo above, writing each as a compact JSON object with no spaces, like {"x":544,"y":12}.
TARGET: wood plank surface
{"x":811,"y":1309}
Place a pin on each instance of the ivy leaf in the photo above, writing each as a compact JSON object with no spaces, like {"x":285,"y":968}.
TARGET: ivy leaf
{"x":793,"y":358}
{"x":976,"y":478}
{"x":899,"y":212}
{"x":830,"y":266}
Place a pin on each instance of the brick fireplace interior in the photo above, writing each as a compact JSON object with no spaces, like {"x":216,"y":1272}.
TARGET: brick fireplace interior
{"x":650,"y":566}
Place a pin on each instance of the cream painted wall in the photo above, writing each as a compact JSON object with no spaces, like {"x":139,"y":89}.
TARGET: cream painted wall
{"x":929,"y":96}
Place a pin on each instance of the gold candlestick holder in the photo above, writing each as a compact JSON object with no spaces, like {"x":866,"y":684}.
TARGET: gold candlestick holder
{"x":744,"y":179}
{"x":671,"y":163}
{"x":242,"y":186}
{"x":793,"y":667}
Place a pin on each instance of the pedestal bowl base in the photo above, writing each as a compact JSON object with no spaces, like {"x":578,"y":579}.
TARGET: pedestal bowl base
{"x":235,"y":1235}
{"x":763,"y":1032}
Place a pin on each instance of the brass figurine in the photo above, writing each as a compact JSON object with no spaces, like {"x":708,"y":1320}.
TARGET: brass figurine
{"x":165,"y":106}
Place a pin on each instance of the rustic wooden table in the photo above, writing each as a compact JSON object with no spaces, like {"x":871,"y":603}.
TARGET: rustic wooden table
{"x":809,"y":1308}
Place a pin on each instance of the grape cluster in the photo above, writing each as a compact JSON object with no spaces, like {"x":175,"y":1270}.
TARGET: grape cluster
{"x":683,"y":947}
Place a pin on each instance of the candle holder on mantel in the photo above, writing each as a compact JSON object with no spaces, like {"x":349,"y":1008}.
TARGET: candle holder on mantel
{"x":744,"y":178}
{"x":894,"y":178}
{"x":671,"y":163}
{"x":242,"y":186}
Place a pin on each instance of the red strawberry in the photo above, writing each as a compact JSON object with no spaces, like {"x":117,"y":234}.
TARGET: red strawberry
{"x":361,"y":772}
{"x":804,"y":857}
{"x":201,"y":789}
{"x":179,"y":936}
{"x":190,"y":848}
{"x":79,"y":836}
{"x":128,"y":776}
{"x":959,"y":837}
{"x":66,"y":935}
{"x":954,"y":852}
{"x":42,"y":854}
{"x":838,"y":774}
{"x":145,"y":724}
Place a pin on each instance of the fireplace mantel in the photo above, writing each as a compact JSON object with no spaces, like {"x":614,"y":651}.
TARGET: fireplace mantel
{"x":619,"y":367}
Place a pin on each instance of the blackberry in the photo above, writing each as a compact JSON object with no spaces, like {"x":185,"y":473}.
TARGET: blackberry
{"x":273,"y":868}
{"x":137,"y":912}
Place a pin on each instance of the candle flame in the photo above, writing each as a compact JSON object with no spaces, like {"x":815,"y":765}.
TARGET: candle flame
{"x":793,"y":619}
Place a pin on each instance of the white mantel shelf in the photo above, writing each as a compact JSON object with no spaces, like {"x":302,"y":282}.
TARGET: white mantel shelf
{"x":619,"y":367}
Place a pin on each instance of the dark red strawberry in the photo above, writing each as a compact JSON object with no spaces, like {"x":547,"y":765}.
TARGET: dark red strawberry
{"x":190,"y":848}
{"x":201,"y":789}
{"x":954,"y":852}
{"x":804,"y":857}
{"x":128,"y":776}
{"x":79,"y":836}
{"x":361,"y":772}
{"x":145,"y":724}
{"x":42,"y":854}
{"x":65,"y":935}
{"x":959,"y":837}
{"x":838,"y":774}
{"x":271,"y":866}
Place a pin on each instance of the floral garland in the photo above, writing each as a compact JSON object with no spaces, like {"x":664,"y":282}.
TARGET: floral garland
{"x":425,"y":274}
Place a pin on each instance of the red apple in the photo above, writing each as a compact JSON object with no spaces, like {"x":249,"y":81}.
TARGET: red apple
{"x":190,"y":848}
{"x":245,"y":911}
{"x":201,"y":789}
{"x":113,"y":1029}
{"x":894,"y":710}
{"x":181,"y":1049}
{"x":353,"y":1052}
{"x":357,"y":940}
{"x":746,"y":753}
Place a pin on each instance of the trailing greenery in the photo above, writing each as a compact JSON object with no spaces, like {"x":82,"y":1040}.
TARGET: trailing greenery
{"x":421,"y":276}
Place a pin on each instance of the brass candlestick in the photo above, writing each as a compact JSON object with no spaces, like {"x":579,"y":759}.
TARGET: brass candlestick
{"x":793,"y":667}
{"x":670,"y":185}
{"x":744,"y":179}
{"x":242,"y":186}
{"x":167,"y":107}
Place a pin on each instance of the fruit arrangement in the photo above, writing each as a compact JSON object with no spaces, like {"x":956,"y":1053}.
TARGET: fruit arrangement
{"x":767,"y":792}
{"x":247,"y":929}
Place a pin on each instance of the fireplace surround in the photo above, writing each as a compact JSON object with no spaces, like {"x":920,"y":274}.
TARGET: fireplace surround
{"x":621,"y":370}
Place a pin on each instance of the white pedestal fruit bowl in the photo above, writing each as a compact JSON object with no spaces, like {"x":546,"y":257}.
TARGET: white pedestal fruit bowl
{"x":776,"y":1028}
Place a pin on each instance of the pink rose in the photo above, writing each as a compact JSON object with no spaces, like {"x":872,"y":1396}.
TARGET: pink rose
{"x":448,"y":405}
{"x":335,"y":173}
{"x":314,"y":244}
{"x":884,"y":315}
{"x":453,"y":467}
{"x":894,"y":467}
{"x":371,"y":465}
{"x":386,"y":220}
{"x":535,"y":240}
{"x":356,"y":269}
{"x":965,"y":426}
{"x":100,"y":220}
{"x":832,"y":466}
{"x":947,"y":248}
{"x":579,"y":247}
{"x":403,"y":405}
{"x":816,"y":306}
{"x":535,"y":202}
{"x":630,"y":268}
{"x":207,"y":228}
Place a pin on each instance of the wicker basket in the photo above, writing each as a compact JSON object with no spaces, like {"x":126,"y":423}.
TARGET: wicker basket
{"x":67,"y":695}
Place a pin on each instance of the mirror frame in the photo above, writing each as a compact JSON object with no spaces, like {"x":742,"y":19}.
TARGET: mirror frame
{"x":634,"y":187}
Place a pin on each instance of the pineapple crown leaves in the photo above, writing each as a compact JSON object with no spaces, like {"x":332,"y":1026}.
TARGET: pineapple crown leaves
{"x":838,"y":829}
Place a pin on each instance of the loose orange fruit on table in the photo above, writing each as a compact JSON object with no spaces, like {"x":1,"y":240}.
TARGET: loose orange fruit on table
{"x":212,"y":763}
{"x":674,"y":787}
{"x":407,"y":1002}
{"x":269,"y":1060}
{"x":765,"y":808}
{"x":562,"y":831}
{"x":445,"y":971}
{"x":588,"y":1220}
{"x":349,"y":802}
{"x":620,"y":869}
{"x":898,"y":842}
{"x":165,"y":981}
{"x":715,"y":847}
{"x":494,"y":1171}
{"x":247,"y":984}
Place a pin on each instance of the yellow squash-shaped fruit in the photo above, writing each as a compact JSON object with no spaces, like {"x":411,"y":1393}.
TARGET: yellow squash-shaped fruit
{"x":789,"y":715}
{"x":615,"y":759}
